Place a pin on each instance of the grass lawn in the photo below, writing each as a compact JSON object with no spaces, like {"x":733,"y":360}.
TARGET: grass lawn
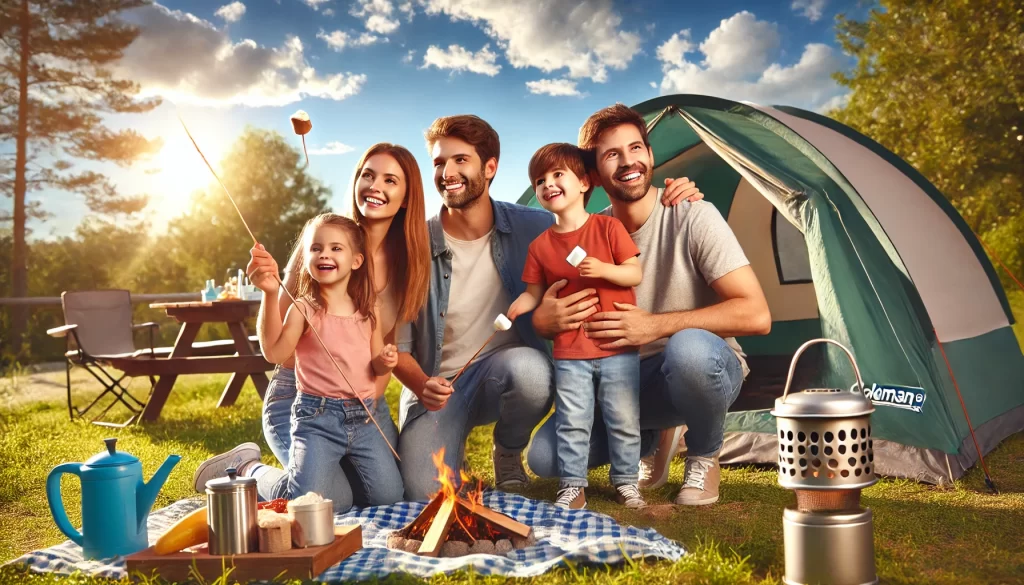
{"x":923,"y":534}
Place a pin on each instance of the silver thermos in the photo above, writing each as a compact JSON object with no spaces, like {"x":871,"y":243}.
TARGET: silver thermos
{"x":231,"y":515}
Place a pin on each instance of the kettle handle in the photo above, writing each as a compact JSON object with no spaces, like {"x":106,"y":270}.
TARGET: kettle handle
{"x":796,"y":356}
{"x":53,"y":497}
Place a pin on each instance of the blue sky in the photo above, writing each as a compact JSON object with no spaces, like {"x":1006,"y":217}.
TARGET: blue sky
{"x":382,"y":70}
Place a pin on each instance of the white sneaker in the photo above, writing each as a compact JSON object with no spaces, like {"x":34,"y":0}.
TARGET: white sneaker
{"x":654,"y":468}
{"x":218,"y":465}
{"x":629,"y":496}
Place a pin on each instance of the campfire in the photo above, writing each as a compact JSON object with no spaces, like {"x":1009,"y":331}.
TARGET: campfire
{"x":457,"y":523}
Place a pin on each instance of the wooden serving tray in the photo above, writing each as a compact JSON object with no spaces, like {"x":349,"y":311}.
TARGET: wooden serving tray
{"x":297,"y":563}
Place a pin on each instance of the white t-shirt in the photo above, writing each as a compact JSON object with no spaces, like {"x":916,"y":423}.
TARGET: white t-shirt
{"x":683,"y":249}
{"x":476,"y":297}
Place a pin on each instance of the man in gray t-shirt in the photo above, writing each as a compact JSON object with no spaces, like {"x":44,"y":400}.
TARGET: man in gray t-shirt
{"x":698,"y":292}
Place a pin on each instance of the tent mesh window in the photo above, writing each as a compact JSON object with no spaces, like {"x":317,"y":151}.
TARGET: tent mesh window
{"x":791,"y":259}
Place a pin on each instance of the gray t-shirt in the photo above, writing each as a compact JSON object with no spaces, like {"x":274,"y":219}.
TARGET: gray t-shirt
{"x":683,"y":249}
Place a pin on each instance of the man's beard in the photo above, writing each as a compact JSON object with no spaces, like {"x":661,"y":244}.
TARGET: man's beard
{"x":474,"y":188}
{"x":635,"y":192}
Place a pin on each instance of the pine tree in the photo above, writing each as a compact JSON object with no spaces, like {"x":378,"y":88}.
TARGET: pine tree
{"x":57,"y":85}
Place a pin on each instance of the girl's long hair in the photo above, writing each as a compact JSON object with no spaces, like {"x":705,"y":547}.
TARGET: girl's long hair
{"x":407,"y":242}
{"x":360,"y":284}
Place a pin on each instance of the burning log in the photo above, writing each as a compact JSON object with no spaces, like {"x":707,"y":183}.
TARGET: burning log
{"x":455,"y":525}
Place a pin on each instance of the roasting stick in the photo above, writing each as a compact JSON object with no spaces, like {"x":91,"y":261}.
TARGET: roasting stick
{"x":302,"y":126}
{"x":501,"y":323}
{"x":288,"y":292}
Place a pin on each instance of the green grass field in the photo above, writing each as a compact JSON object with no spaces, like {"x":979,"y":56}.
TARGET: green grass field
{"x":923,"y":534}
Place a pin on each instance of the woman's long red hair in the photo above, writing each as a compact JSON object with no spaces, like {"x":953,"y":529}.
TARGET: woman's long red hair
{"x":407,"y":241}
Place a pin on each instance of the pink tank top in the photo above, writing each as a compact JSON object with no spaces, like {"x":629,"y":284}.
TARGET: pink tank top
{"x":348,"y":339}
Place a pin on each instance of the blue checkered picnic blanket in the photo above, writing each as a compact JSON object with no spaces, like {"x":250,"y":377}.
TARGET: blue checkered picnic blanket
{"x":578,"y":536}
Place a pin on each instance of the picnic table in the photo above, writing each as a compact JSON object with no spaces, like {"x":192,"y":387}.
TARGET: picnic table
{"x":244,"y":363}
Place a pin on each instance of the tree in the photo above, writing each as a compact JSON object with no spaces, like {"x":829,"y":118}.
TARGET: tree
{"x":274,"y":194}
{"x":54,"y":70}
{"x":942,"y":85}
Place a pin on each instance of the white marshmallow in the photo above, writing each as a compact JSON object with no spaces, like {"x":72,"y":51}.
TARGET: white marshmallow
{"x":501,"y":323}
{"x":576,"y":256}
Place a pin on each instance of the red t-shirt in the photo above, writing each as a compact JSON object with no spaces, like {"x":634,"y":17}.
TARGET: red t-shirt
{"x":602,"y":237}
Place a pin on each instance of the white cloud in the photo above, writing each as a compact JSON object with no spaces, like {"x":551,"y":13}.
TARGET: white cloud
{"x":338,"y":39}
{"x":673,"y":50}
{"x":812,"y":9}
{"x":583,"y":37}
{"x":406,"y":8}
{"x":741,"y":63}
{"x":409,"y":56}
{"x":231,"y":12}
{"x":458,"y":58}
{"x":329,"y":12}
{"x":209,"y":68}
{"x":654,"y":84}
{"x":836,"y":102}
{"x":741,"y":44}
{"x":331,"y":148}
{"x":365,"y":39}
{"x":376,"y":15}
{"x":555,"y":87}
{"x":315,"y":4}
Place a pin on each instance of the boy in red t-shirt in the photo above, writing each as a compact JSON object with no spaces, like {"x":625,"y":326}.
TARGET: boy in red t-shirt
{"x":558,"y":173}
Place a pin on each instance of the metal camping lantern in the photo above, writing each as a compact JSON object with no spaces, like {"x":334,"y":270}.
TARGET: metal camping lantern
{"x":826,"y":456}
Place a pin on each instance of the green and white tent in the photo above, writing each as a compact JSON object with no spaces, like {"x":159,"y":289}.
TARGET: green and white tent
{"x":849,"y":242}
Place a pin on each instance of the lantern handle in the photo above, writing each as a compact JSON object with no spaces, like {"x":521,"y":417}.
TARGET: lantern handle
{"x":796,"y":356}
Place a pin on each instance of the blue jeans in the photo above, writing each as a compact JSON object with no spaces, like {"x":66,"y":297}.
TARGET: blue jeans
{"x":615,"y":381}
{"x":693,"y":382}
{"x":277,"y":413}
{"x":512,"y":386}
{"x":326,"y":431}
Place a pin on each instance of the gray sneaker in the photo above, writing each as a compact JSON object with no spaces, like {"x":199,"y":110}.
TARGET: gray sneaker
{"x":508,"y":468}
{"x":217,"y":466}
{"x":700,"y":482}
{"x":629,"y":496}
{"x":655,"y":467}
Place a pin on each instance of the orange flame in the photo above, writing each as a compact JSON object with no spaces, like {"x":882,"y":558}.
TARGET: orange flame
{"x":467,"y":526}
{"x":444,"y":475}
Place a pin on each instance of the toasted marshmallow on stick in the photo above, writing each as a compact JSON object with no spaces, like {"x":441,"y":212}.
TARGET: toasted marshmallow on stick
{"x":301,"y":123}
{"x":302,"y":126}
{"x":576,"y":256}
{"x":501,"y":323}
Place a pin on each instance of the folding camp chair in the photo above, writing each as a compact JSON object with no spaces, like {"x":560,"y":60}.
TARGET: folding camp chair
{"x":99,"y":334}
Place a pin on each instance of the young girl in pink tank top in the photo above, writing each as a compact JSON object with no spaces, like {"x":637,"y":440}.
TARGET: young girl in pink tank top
{"x":329,"y":422}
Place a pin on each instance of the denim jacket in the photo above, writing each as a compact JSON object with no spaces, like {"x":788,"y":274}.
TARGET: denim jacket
{"x":515,"y":227}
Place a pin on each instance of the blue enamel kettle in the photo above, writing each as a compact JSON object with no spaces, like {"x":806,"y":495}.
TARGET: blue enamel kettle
{"x":115,"y":502}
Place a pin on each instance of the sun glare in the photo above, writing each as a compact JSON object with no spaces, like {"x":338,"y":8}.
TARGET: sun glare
{"x":182,"y":172}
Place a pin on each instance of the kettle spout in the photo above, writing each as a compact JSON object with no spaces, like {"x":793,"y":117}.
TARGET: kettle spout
{"x":147,"y":492}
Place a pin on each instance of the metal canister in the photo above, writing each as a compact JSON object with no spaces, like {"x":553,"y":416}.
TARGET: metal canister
{"x":316,"y":520}
{"x":834,"y":548}
{"x":231,"y":515}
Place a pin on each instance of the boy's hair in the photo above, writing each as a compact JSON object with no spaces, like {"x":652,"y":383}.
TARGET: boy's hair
{"x":360,"y":284}
{"x":561,"y":155}
{"x":469,"y":128}
{"x":607,"y":118}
